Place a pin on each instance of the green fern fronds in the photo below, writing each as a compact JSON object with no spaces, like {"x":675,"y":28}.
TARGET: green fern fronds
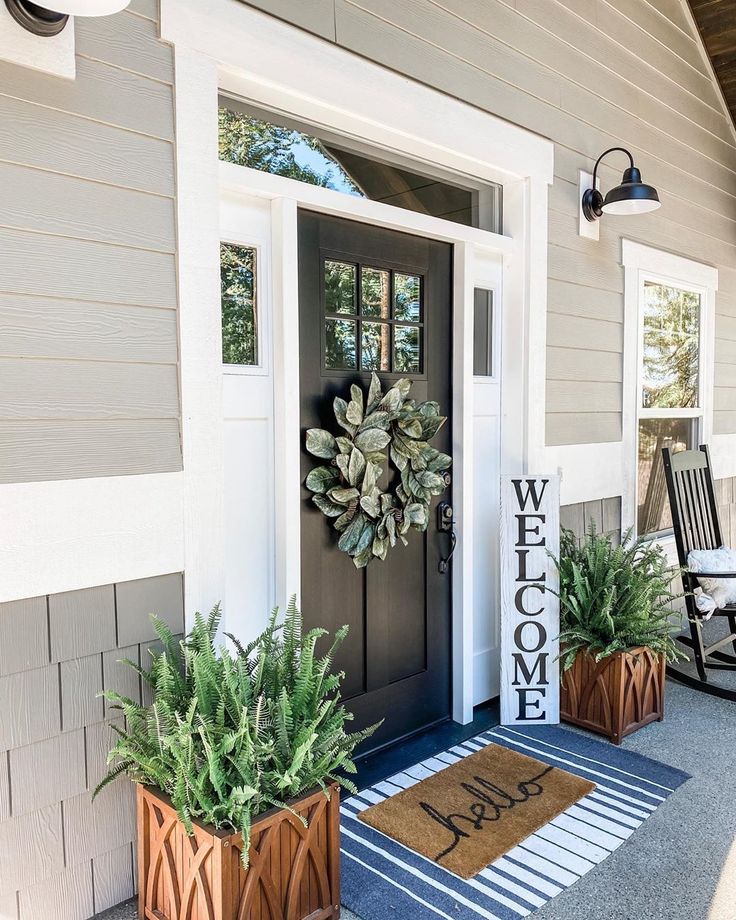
{"x":230,"y":734}
{"x":615,"y":598}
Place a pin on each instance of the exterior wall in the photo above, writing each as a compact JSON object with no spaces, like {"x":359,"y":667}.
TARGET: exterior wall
{"x":605,"y":514}
{"x":726,"y":498}
{"x":88,"y":323}
{"x":62,"y":857}
{"x":588,"y":74}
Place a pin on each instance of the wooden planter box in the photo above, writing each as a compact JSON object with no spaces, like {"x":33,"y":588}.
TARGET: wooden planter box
{"x":615,"y":696}
{"x":294,"y":872}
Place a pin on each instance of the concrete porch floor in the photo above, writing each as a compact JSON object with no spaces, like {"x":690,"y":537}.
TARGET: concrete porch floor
{"x":681,"y":864}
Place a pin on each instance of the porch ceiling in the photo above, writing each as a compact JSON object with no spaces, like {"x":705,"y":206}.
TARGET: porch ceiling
{"x":716,"y":20}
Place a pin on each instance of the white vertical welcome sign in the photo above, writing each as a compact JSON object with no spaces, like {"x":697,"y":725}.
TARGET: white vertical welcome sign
{"x":530,"y":608}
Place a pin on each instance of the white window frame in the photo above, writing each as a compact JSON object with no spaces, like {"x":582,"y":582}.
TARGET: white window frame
{"x":644,"y":264}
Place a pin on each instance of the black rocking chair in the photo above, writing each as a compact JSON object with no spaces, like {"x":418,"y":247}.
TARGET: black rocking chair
{"x":696,"y":525}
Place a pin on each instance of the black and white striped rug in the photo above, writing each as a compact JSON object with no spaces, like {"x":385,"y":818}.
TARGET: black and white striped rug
{"x":383,"y":879}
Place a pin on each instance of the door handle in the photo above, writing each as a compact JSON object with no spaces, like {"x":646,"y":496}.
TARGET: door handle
{"x":446,"y":524}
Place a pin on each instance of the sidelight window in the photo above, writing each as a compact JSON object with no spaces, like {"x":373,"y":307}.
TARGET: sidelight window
{"x":373,"y":318}
{"x":238,"y":296}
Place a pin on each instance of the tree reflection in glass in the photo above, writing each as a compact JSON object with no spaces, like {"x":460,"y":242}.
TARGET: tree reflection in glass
{"x":375,"y":354}
{"x":376,"y":292}
{"x":238,"y":304}
{"x":340,"y":344}
{"x":407,"y":359}
{"x":407,"y":297}
{"x":671,"y":344}
{"x":339,"y":287}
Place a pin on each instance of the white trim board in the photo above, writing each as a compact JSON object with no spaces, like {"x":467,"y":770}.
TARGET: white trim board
{"x":75,"y":533}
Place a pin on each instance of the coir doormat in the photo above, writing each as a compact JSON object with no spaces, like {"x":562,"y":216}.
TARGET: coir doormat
{"x":479,"y":808}
{"x":382,"y":878}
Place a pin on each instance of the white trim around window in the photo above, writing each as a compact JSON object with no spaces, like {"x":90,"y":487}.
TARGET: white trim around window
{"x":644,"y":264}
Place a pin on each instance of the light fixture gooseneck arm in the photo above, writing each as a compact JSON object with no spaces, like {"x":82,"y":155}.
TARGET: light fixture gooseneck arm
{"x":592,"y":203}
{"x":605,"y":154}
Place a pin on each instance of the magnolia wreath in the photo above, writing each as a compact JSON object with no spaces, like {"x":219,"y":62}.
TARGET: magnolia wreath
{"x":369,"y":518}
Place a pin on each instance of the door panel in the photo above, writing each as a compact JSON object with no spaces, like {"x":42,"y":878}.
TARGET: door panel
{"x":397,"y":655}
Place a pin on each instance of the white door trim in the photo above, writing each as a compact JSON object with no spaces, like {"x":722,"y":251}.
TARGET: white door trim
{"x":275,"y":66}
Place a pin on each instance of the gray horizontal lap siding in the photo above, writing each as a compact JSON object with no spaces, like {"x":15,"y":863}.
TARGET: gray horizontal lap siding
{"x":588,"y":74}
{"x":61,"y":856}
{"x":88,"y":302}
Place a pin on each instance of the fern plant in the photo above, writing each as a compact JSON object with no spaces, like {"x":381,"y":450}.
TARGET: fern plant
{"x":614,"y":598}
{"x":230,"y":734}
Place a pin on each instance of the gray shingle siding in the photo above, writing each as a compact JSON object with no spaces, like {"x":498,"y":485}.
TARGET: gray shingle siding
{"x":61,"y":857}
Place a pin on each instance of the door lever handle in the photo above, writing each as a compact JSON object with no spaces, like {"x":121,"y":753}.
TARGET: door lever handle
{"x":446,"y":524}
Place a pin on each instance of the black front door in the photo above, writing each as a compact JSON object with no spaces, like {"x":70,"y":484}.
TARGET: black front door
{"x":374,"y":299}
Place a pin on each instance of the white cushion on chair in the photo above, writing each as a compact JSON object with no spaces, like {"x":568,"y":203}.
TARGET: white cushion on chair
{"x":716,"y":592}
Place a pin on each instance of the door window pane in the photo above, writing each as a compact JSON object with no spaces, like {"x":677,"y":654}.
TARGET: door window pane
{"x":655,"y":433}
{"x":483,"y":333}
{"x":671,"y":345}
{"x":407,"y":357}
{"x":238,"y":304}
{"x":339,"y":287}
{"x":375,"y":347}
{"x":407,"y":294}
{"x":375,"y":292}
{"x":340,"y":351}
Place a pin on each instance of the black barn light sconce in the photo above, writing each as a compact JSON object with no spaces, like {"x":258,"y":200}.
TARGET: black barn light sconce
{"x":48,"y":22}
{"x":632,"y":196}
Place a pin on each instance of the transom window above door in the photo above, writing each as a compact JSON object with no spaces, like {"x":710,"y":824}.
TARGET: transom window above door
{"x":373,"y":318}
{"x":276,"y":144}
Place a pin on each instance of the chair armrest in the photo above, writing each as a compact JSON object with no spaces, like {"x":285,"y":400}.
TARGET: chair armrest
{"x":711,"y":574}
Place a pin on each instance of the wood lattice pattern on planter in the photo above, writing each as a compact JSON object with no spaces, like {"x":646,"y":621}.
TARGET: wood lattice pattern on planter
{"x":614,"y":696}
{"x":293,"y":872}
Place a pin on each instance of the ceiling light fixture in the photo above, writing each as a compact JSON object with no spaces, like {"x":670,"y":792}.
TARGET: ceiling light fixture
{"x":632,"y":196}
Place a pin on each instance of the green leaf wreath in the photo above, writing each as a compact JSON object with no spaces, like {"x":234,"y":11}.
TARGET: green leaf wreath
{"x":371,"y":519}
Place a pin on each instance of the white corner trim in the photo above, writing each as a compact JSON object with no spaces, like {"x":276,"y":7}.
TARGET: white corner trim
{"x":676,"y":267}
{"x":53,"y":55}
{"x":200,"y":336}
{"x":75,"y":533}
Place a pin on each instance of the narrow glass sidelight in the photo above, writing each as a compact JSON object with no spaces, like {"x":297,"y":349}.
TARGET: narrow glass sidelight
{"x":238,"y":302}
{"x":483,"y":333}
